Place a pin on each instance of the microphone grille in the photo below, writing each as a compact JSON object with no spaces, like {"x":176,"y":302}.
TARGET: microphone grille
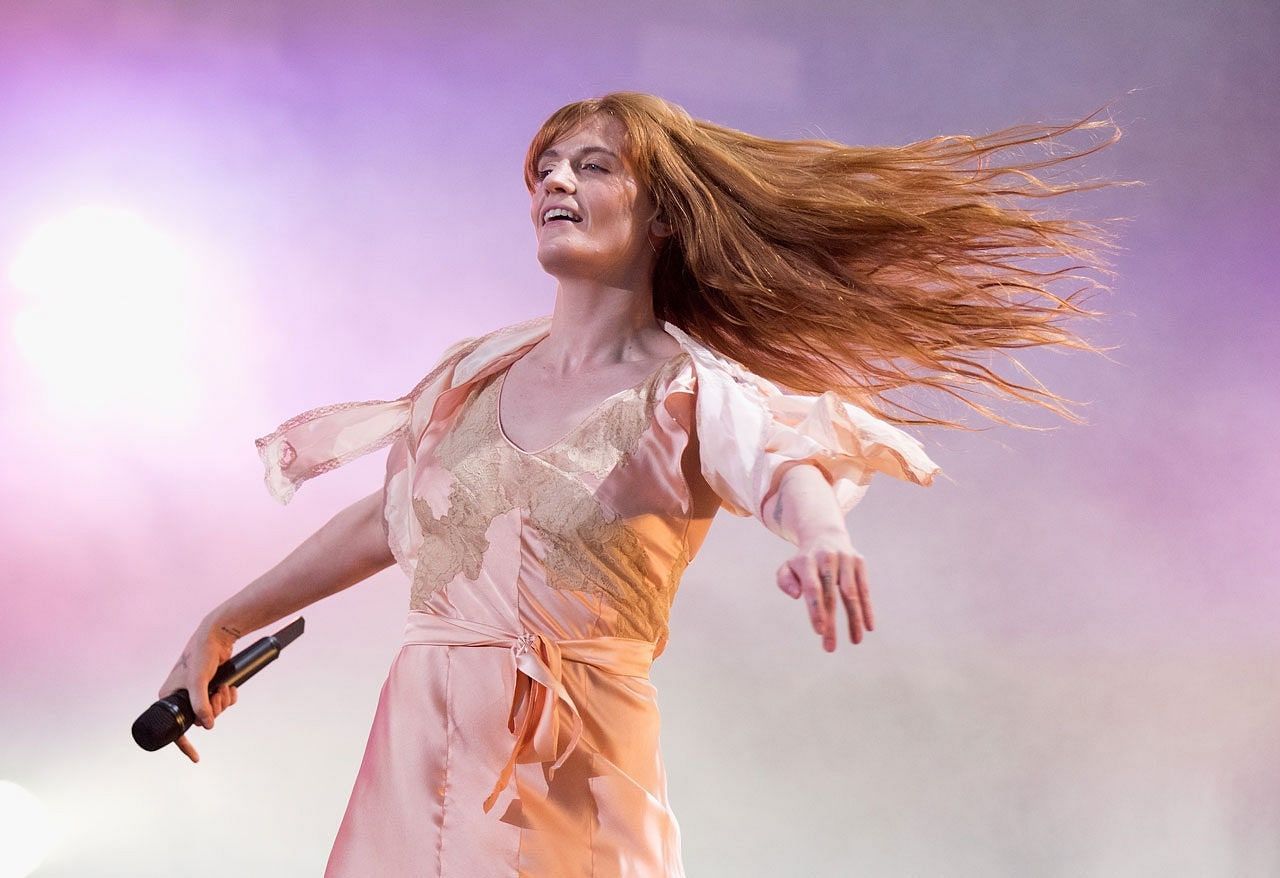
{"x":157,"y":727}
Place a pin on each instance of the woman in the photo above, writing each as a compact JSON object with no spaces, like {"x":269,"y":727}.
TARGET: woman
{"x":548,"y":482}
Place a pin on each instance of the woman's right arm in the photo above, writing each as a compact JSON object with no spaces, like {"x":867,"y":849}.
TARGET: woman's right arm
{"x":350,"y":547}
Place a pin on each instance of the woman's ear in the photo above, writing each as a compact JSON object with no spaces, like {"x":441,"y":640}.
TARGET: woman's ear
{"x":658,"y":226}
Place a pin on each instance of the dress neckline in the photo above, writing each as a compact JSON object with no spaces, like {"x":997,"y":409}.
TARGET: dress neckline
{"x":581,"y":424}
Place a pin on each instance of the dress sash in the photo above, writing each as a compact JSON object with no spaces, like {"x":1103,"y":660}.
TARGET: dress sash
{"x":539,"y":667}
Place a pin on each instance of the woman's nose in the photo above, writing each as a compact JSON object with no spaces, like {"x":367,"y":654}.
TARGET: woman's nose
{"x":559,"y":178}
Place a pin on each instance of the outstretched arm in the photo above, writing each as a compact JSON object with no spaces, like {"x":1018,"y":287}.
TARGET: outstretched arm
{"x":351,"y":547}
{"x":348,"y":549}
{"x":803,"y":511}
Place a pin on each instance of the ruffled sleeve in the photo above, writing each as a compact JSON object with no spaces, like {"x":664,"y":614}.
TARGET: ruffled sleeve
{"x":749,"y":430}
{"x":325,"y":438}
{"x":322,"y":439}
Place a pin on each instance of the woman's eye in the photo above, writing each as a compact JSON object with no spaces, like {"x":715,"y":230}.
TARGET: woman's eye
{"x":542,"y":174}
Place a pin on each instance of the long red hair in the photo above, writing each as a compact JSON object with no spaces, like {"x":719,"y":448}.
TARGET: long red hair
{"x":858,"y":269}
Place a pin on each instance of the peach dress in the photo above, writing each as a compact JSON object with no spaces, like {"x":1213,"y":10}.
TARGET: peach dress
{"x":517,"y":732}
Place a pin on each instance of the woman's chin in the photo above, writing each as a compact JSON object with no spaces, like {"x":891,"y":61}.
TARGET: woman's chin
{"x":557,"y":260}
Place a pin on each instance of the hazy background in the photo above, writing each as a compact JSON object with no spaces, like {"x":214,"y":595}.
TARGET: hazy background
{"x":215,"y":216}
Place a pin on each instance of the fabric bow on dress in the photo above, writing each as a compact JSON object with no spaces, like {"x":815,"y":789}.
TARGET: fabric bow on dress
{"x":539,"y":662}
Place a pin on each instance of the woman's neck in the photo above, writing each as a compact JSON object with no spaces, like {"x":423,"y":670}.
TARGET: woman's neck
{"x":595,"y":325}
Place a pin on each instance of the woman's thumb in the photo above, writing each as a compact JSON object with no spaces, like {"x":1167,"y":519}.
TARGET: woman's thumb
{"x":200,"y":703}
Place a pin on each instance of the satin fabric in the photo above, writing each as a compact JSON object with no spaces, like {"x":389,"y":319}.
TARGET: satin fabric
{"x":539,"y":659}
{"x":517,"y":733}
{"x":435,"y":748}
{"x":747,"y":428}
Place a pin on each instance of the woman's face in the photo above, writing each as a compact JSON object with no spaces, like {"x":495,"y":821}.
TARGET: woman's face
{"x":606,"y":240}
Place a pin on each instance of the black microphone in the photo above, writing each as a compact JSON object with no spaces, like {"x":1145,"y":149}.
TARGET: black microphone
{"x":169,"y":718}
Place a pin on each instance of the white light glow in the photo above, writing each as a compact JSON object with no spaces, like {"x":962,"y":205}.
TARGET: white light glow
{"x":107,"y":319}
{"x":26,"y":831}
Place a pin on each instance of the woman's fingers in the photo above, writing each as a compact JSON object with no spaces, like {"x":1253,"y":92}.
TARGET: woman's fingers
{"x":828,"y":571}
{"x":186,"y":747}
{"x":198,"y":693}
{"x":860,"y":571}
{"x":228,"y":697}
{"x":805,"y":569}
{"x":789,"y":582}
{"x":849,"y":593}
{"x":218,"y":702}
{"x":223,"y":698}
{"x":819,"y":573}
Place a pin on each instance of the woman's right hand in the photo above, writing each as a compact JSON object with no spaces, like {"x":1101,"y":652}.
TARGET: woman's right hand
{"x":207,"y":648}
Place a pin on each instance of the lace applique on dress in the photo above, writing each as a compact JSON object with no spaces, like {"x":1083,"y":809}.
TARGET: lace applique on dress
{"x":456,"y":541}
{"x":603,"y":443}
{"x":589,"y":548}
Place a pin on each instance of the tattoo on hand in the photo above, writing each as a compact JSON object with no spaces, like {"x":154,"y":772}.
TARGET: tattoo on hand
{"x":233,"y":631}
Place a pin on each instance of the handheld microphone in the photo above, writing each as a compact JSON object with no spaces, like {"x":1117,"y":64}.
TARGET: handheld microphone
{"x":169,"y":718}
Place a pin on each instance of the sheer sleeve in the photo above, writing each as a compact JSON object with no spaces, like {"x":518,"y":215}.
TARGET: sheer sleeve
{"x":325,"y":438}
{"x":750,"y":430}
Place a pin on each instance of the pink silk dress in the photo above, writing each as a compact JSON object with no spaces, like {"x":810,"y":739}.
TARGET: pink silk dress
{"x":517,"y":732}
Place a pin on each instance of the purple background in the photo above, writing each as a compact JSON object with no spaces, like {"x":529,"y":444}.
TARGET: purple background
{"x":1075,"y":670}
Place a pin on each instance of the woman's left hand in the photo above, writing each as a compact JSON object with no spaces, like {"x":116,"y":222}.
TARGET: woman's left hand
{"x":826,"y":565}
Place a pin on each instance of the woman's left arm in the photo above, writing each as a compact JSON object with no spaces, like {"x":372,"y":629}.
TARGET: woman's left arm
{"x":803,"y":511}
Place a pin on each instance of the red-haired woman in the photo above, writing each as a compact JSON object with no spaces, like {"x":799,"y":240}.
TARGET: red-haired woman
{"x":729,"y":313}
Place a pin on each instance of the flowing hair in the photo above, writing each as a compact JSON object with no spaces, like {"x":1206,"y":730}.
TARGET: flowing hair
{"x":857,"y":269}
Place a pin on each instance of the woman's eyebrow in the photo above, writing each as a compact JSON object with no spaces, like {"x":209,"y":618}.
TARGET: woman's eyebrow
{"x":552,"y":154}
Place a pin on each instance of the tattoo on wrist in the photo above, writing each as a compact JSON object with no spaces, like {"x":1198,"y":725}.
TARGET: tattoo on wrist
{"x":232,"y":630}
